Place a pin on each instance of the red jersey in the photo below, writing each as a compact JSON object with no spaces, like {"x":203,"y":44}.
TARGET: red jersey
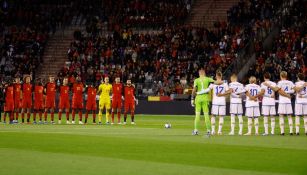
{"x":77,"y":92}
{"x":50,"y":90}
{"x":64,"y":90}
{"x":17,"y":91}
{"x":117,"y":90}
{"x":9,"y":94}
{"x":38,"y":94}
{"x":64,"y":97}
{"x":91,"y":94}
{"x":129,"y":93}
{"x":27,"y":91}
{"x":9,"y":99}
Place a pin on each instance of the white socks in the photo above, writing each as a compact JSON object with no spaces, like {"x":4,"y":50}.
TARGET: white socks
{"x":272,"y":125}
{"x":250,"y":124}
{"x":256,"y":126}
{"x":221,"y":121}
{"x":233,"y":123}
{"x":282,"y":124}
{"x":266,"y":124}
{"x":297,"y":124}
{"x":213,"y":125}
{"x":240,"y":124}
{"x":290,"y":121}
{"x":305,"y":123}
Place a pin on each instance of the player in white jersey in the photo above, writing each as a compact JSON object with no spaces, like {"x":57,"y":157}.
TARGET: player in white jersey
{"x":252,"y":105}
{"x":284,"y":88}
{"x":235,"y":90}
{"x":268,"y":104}
{"x":300,"y":103}
{"x":218,"y":102}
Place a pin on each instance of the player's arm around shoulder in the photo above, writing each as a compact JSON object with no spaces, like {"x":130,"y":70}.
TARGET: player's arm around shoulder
{"x":274,"y":87}
{"x":297,"y":87}
{"x":194,"y":93}
{"x":227,"y":91}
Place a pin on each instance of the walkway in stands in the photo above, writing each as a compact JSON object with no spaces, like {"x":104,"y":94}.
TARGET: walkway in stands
{"x":206,"y":12}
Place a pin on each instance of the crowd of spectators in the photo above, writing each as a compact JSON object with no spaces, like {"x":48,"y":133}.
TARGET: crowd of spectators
{"x":289,"y":50}
{"x":136,"y":13}
{"x":160,"y":62}
{"x":167,"y":60}
{"x":25,"y":27}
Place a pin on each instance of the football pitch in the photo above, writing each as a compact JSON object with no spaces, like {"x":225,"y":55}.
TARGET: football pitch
{"x":147,"y":148}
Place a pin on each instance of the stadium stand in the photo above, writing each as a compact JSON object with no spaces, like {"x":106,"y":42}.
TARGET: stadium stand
{"x":135,"y":39}
{"x":160,"y":60}
{"x":289,"y":50}
{"x":25,"y":29}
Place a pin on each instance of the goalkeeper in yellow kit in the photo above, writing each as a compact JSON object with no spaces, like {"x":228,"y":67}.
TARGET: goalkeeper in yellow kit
{"x":104,"y":89}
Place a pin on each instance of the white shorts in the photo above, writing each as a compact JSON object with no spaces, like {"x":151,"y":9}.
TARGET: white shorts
{"x":236,"y":108}
{"x":285,"y":109}
{"x":300,"y":109}
{"x":252,"y":112}
{"x":218,"y":110}
{"x":268,"y":110}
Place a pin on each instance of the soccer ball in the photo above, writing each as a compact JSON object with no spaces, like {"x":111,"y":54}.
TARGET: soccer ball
{"x":167,"y":125}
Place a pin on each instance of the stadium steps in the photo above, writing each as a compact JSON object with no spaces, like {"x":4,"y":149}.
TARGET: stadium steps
{"x":55,"y":54}
{"x":206,"y":12}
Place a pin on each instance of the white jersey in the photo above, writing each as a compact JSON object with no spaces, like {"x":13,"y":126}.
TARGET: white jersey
{"x":303,"y":93}
{"x":287,"y":86}
{"x":269,"y":94}
{"x":253,"y":90}
{"x":218,"y":89}
{"x":237,"y":89}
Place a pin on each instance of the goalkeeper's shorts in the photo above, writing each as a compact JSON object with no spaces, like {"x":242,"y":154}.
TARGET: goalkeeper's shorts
{"x":104,"y":104}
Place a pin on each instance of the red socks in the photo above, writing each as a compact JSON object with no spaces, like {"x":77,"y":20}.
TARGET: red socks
{"x":118,"y":117}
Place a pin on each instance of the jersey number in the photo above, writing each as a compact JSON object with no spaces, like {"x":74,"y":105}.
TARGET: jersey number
{"x":270,"y":91}
{"x":219,"y":89}
{"x":253,"y":92}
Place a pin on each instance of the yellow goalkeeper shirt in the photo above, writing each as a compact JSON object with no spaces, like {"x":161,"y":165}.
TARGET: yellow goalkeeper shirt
{"x":105,"y":90}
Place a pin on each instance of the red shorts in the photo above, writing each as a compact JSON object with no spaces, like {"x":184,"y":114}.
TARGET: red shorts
{"x":27,"y":103}
{"x":91,"y":105}
{"x":38,"y":105}
{"x":117,"y":103}
{"x":64,"y":103}
{"x":50,"y":103}
{"x":129,"y":105}
{"x":17,"y":103}
{"x":9,"y":106}
{"x":77,"y":104}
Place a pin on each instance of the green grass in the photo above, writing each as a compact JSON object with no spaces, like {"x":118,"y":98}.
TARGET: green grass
{"x":146,"y":148}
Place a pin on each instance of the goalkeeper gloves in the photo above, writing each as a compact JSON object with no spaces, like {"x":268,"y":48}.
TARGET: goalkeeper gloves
{"x":192,"y":103}
{"x":136,"y":101}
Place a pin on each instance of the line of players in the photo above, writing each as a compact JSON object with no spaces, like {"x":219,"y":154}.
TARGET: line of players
{"x":18,"y":98}
{"x":268,"y":91}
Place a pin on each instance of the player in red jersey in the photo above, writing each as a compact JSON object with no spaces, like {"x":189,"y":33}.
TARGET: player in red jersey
{"x":50,"y":90}
{"x":17,"y":98}
{"x":117,"y":89}
{"x":64,"y":100}
{"x":38,"y":100}
{"x":77,"y":100}
{"x":9,"y":102}
{"x":26,"y":98}
{"x":91,"y":103}
{"x":129,"y":101}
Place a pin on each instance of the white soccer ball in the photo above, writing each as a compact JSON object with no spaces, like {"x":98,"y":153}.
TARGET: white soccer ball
{"x":167,"y":125}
